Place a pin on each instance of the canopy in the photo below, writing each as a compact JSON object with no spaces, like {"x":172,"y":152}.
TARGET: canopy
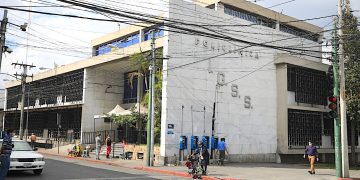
{"x":119,"y":111}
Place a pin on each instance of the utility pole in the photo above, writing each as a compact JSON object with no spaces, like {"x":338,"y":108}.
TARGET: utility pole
{"x":23,"y":82}
{"x":27,"y":113}
{"x":213,"y":119}
{"x":58,"y":122}
{"x":152,"y":118}
{"x":204,"y":120}
{"x":151,"y":113}
{"x":2,"y":33}
{"x":344,"y":140}
{"x":337,"y":127}
{"x":148,"y":130}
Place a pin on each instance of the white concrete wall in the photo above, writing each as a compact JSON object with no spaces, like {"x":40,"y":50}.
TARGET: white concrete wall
{"x":96,"y":101}
{"x":246,"y":109}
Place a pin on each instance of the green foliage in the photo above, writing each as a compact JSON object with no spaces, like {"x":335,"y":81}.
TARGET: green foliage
{"x":351,"y":41}
{"x":130,"y":119}
{"x":142,"y":61}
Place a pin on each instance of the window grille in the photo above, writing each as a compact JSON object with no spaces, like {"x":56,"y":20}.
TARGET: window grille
{"x":310,"y":86}
{"x":46,"y":91}
{"x":304,"y":126}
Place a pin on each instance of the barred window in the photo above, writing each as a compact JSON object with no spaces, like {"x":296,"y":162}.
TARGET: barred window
{"x":310,"y":86}
{"x":304,"y":126}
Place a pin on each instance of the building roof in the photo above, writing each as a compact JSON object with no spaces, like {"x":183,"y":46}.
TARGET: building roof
{"x":262,"y":11}
{"x":120,"y":33}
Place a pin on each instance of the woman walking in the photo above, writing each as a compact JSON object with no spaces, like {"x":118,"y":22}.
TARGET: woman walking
{"x":204,"y":158}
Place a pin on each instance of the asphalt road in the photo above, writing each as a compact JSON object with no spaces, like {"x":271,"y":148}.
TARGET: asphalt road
{"x":71,"y":169}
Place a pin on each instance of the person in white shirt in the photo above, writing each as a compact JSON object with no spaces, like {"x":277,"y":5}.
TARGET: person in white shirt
{"x":98,"y":146}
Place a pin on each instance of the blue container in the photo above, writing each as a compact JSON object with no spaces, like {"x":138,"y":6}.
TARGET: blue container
{"x":206,"y":141}
{"x":194,"y":142}
{"x":183,"y":142}
{"x":214,"y":142}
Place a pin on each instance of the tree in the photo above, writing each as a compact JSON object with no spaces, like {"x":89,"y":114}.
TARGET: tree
{"x":142,"y":61}
{"x":351,"y":40}
{"x":130,"y":121}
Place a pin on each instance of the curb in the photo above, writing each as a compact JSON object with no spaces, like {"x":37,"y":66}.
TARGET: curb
{"x":142,"y":168}
{"x":176,"y":173}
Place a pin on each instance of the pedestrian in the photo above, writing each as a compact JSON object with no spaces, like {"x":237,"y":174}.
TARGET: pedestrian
{"x":108,"y":146}
{"x":98,"y":146}
{"x":312,"y":154}
{"x":222,"y":149}
{"x":6,"y":149}
{"x":33,"y":140}
{"x":204,"y":158}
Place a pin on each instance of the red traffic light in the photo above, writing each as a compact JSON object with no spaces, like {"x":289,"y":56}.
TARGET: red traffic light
{"x":332,"y":106}
{"x":332,"y":99}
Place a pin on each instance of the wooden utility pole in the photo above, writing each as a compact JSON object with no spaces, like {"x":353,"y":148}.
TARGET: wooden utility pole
{"x":23,"y":82}
{"x":2,"y":34}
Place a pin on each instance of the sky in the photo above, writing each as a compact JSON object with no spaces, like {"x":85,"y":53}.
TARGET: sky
{"x":51,"y":40}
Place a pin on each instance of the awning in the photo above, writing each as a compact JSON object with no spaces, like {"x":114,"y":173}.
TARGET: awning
{"x":119,"y":111}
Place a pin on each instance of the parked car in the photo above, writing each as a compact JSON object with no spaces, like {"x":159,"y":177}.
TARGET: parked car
{"x":23,"y":157}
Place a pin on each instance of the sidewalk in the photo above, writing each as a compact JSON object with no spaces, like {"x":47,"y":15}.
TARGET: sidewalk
{"x":241,"y":171}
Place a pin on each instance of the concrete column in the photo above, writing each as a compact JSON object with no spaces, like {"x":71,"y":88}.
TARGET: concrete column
{"x":282,"y":109}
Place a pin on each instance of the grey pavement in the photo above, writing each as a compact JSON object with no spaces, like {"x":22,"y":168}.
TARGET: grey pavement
{"x":57,"y":168}
{"x":237,"y":170}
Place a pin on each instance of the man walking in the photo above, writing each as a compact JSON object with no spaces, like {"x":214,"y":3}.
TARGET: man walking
{"x":98,"y":146}
{"x":33,"y":140}
{"x":222,"y":148}
{"x":312,"y":154}
{"x":6,"y":149}
{"x":108,"y":146}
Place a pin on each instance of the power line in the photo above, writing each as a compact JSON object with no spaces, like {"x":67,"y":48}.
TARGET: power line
{"x":206,"y":34}
{"x":57,"y":27}
{"x":85,"y":5}
{"x":64,"y":15}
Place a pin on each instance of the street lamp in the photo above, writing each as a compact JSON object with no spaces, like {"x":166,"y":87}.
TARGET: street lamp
{"x":44,"y":68}
{"x":7,"y":49}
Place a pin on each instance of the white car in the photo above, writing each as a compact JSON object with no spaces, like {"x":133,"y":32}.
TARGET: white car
{"x":23,"y":157}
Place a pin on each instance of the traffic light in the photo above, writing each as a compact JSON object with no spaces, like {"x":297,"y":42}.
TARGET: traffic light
{"x":332,"y":106}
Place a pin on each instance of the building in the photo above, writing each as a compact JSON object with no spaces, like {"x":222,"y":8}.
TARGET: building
{"x":261,"y":70}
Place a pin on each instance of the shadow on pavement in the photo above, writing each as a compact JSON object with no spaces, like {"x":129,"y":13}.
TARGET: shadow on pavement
{"x":24,"y":174}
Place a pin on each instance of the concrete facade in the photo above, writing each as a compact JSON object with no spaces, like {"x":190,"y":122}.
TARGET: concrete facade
{"x":102,"y":93}
{"x":247,"y":83}
{"x":247,"y":110}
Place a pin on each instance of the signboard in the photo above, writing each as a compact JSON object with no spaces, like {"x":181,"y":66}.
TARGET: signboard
{"x":170,"y":129}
